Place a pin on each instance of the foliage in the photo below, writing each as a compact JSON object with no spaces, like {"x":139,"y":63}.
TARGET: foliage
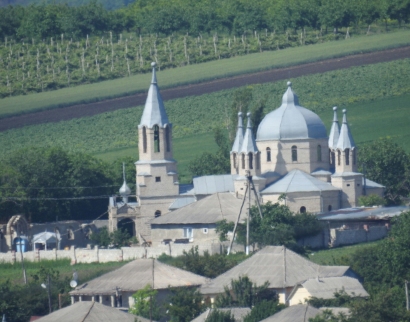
{"x":329,"y":316}
{"x":184,"y":304}
{"x":46,"y":183}
{"x":118,"y":238}
{"x":371,"y":200}
{"x":387,"y":164}
{"x":278,"y":226}
{"x":263,"y":310}
{"x":206,"y":265}
{"x":220,"y":316}
{"x":341,"y":299}
{"x":145,"y":304}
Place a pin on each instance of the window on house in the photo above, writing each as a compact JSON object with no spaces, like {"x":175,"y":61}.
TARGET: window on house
{"x":348,"y":185}
{"x":157,"y":214}
{"x":157,"y":179}
{"x":319,"y":153}
{"x":257,"y":161}
{"x":338,"y":157}
{"x":347,"y":156}
{"x":329,"y":208}
{"x":332,"y":157}
{"x":294,"y":153}
{"x":268,"y":155}
{"x":205,"y":230}
{"x":144,"y":139}
{"x":156,"y":139}
{"x":168,"y":138}
{"x":302,"y":209}
{"x":234,"y":159}
{"x":250,"y":155}
{"x":188,"y":233}
{"x":243,"y":161}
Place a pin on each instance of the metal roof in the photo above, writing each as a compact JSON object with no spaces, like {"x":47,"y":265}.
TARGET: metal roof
{"x":248,"y":144}
{"x":364,"y":213}
{"x":237,"y":144}
{"x":208,"y":210}
{"x":345,"y":138}
{"x":154,"y":110}
{"x":136,"y":275}
{"x":238,"y":313}
{"x":279,"y":266}
{"x":297,"y":181}
{"x":207,"y":185}
{"x":291,"y":121}
{"x":88,"y":311}
{"x":44,"y":237}
{"x":182,"y":202}
{"x":334,"y":131}
{"x":325,"y":288}
{"x":294,"y":313}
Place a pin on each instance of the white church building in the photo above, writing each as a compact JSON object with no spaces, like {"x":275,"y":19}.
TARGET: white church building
{"x":292,"y":159}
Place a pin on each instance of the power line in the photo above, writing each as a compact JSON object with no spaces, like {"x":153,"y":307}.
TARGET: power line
{"x":56,"y":188}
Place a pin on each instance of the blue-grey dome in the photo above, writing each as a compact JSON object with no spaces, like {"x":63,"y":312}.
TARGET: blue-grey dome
{"x":291,"y":121}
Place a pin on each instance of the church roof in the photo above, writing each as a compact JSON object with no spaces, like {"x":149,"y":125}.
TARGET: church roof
{"x":345,"y":139}
{"x":334,"y":131}
{"x":136,"y":275}
{"x":248,"y":144}
{"x":291,"y":121}
{"x":297,"y":181}
{"x":237,"y":144}
{"x":154,"y":110}
{"x":89,"y":311}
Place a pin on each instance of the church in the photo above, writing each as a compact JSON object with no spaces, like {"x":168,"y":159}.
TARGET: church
{"x":291,"y":160}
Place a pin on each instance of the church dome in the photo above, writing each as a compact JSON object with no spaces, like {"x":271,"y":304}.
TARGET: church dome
{"x":291,"y":121}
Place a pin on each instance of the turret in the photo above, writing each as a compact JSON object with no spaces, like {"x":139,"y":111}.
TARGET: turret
{"x":237,"y":145}
{"x":249,"y":154}
{"x":345,"y":149}
{"x":124,"y":191}
{"x":333,"y":138}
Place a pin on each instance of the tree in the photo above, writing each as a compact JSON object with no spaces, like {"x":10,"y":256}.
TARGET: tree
{"x":371,"y":200}
{"x":220,"y":316}
{"x":263,"y":310}
{"x":388,"y":164}
{"x":184,"y":304}
{"x":328,"y":316}
{"x":145,"y":303}
{"x":118,"y":238}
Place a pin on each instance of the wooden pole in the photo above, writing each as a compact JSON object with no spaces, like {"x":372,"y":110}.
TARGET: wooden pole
{"x":249,"y":215}
{"x":237,"y":221}
{"x":407,"y":294}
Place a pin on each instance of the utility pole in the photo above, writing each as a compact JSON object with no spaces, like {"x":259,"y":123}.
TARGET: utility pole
{"x":48,"y":292}
{"x":407,"y":294}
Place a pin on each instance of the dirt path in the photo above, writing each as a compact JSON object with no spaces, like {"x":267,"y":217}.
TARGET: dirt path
{"x":78,"y":111}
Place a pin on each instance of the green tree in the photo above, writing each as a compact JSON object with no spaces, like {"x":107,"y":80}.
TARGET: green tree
{"x":328,"y":316}
{"x":371,"y":200}
{"x":263,"y":310}
{"x":118,"y":238}
{"x":387,"y":164}
{"x":184,"y":304}
{"x":145,"y":303}
{"x":220,"y":316}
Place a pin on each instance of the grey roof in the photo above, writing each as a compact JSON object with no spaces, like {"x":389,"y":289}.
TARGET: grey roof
{"x":248,"y":144}
{"x":291,"y":121}
{"x":279,"y":266}
{"x":89,"y":311}
{"x":321,"y":172}
{"x":296,"y":181}
{"x":154,"y":110}
{"x":207,"y":185}
{"x":208,"y":210}
{"x":182,"y":202}
{"x":334,"y":131}
{"x":325,"y":288}
{"x":372,"y":184}
{"x":345,"y":139}
{"x":294,"y":313}
{"x":237,"y":144}
{"x":364,"y":213}
{"x":44,"y":237}
{"x":136,"y":275}
{"x":238,"y":313}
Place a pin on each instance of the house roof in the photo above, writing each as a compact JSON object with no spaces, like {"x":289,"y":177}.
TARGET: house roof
{"x":136,"y":275}
{"x":297,"y":181}
{"x":295,"y":313}
{"x":44,"y":237}
{"x":208,"y":210}
{"x":206,"y":185}
{"x":279,"y":266}
{"x":238,"y":313}
{"x":90,"y":312}
{"x":325,"y":288}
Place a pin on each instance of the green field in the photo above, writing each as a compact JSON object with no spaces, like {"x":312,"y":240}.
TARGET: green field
{"x":201,"y":72}
{"x":13,"y":272}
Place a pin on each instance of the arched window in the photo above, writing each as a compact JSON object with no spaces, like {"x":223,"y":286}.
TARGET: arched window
{"x":294,"y":153}
{"x":268,"y":155}
{"x":319,"y":153}
{"x":234,"y":159}
{"x":257,"y":161}
{"x":329,"y":208}
{"x":302,"y":209}
{"x":338,"y":157}
{"x":354,"y":156}
{"x":347,"y":156}
{"x":157,"y":214}
{"x":156,"y":139}
{"x":250,"y":155}
{"x":167,"y":138}
{"x":243,"y":161}
{"x":144,"y":139}
{"x":332,"y":157}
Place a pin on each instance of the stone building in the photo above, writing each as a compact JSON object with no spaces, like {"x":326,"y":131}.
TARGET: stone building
{"x":292,"y":159}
